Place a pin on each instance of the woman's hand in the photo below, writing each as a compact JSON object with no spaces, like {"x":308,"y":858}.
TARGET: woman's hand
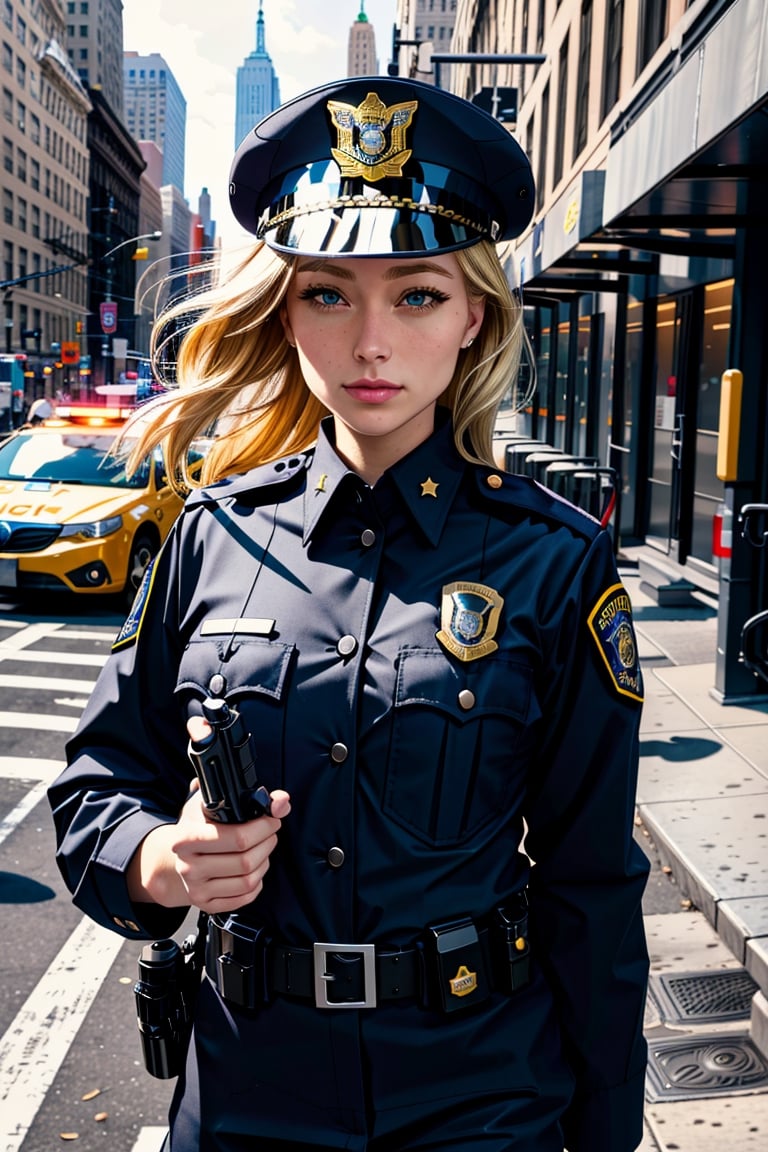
{"x":216,"y":867}
{"x":222,"y":866}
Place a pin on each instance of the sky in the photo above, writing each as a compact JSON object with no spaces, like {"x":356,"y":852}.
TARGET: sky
{"x":204,"y":42}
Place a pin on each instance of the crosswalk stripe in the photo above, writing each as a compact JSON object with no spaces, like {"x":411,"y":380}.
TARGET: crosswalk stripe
{"x":39,"y":1039}
{"x":22,"y":809}
{"x":29,"y":768}
{"x":149,"y":1139}
{"x":30,"y":635}
{"x":46,"y":683}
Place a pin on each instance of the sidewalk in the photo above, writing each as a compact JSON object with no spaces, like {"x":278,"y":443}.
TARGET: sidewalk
{"x":703,"y":801}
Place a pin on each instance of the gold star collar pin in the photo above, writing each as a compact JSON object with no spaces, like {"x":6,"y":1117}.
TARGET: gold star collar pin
{"x":429,"y":487}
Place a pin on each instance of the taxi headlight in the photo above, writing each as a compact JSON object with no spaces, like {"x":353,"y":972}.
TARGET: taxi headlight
{"x":94,"y":531}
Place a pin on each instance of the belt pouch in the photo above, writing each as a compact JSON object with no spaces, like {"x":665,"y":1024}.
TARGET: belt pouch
{"x":241,"y":964}
{"x":458,"y":969}
{"x":511,"y":949}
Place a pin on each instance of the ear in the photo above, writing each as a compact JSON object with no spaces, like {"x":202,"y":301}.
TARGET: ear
{"x":475,"y":317}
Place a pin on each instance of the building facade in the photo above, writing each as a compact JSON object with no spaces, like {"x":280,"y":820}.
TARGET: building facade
{"x":426,"y":26}
{"x":44,"y":190}
{"x":155,"y":109}
{"x":645,"y":125}
{"x":361,"y":47}
{"x":258,"y":88}
{"x":95,"y":46}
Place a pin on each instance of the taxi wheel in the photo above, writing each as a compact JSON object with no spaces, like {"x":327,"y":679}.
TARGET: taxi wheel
{"x":142,"y":551}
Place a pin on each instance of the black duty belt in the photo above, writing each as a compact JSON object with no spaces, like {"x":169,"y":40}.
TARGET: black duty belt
{"x":453,"y":965}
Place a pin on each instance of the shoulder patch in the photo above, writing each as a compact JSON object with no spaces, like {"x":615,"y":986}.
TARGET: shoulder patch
{"x":129,"y":633}
{"x":610,"y":623}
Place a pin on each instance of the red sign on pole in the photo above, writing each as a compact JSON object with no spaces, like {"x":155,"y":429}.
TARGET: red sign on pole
{"x":70,"y":352}
{"x":108,"y":314}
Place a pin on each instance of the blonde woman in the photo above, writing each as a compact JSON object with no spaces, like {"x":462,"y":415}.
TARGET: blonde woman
{"x":433,"y":657}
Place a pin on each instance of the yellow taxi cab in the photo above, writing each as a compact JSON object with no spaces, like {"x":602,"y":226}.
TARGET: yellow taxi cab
{"x":70,"y":518}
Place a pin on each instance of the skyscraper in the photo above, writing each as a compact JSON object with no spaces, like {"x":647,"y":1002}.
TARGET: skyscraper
{"x":155,"y":109}
{"x":258,"y":88}
{"x":361,"y":48}
{"x":95,"y":46}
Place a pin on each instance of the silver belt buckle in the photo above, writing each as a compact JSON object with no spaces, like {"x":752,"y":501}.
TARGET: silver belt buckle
{"x":322,"y":977}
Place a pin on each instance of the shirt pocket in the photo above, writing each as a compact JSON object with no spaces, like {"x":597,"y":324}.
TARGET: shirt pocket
{"x":256,"y":674}
{"x":454,"y":764}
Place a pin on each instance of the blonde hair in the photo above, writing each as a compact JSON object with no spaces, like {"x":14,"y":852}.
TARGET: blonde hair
{"x":236,"y":366}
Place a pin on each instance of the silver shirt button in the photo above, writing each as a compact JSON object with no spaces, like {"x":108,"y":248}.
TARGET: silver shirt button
{"x":339,"y":753}
{"x":335,"y":857}
{"x":347,"y":646}
{"x":466,"y":699}
{"x":217,"y":684}
{"x":368,"y":538}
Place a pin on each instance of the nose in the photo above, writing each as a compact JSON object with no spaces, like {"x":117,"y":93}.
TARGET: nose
{"x":372,"y":338}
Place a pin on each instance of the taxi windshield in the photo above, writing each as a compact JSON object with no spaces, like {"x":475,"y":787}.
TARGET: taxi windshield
{"x":67,"y":457}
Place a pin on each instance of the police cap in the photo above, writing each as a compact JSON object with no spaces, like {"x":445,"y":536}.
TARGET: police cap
{"x":377,"y":165}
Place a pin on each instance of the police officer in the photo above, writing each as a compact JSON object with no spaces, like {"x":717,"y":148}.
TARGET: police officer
{"x":434,"y":941}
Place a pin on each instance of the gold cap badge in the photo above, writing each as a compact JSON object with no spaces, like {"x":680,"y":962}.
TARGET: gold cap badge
{"x":371,"y":137}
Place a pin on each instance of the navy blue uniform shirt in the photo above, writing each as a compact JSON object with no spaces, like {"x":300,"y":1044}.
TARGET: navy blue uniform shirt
{"x":432,"y":668}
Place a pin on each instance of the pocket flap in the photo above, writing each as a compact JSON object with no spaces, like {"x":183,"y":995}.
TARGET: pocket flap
{"x":498,"y":686}
{"x":252,"y":665}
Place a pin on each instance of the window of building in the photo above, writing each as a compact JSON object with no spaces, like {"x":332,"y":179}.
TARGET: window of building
{"x":84,"y":9}
{"x":21,"y":30}
{"x":35,"y":226}
{"x":582,"y":81}
{"x":21,"y":116}
{"x":7,"y":155}
{"x":34,"y":128}
{"x":21,"y":214}
{"x":562,"y":108}
{"x":7,"y":260}
{"x":540,"y":24}
{"x":34,"y":175}
{"x":70,"y":8}
{"x":8,"y":105}
{"x":21,"y":73}
{"x":541,"y":167}
{"x":614,"y":37}
{"x":21,"y":164}
{"x":652,"y":30}
{"x":7,"y":57}
{"x":8,"y":14}
{"x":8,"y":207}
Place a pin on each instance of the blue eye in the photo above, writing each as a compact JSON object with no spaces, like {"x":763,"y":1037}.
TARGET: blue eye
{"x":328,"y":296}
{"x":417,"y":298}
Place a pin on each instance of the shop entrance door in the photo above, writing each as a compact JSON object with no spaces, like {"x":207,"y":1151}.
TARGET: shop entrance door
{"x":668,"y":421}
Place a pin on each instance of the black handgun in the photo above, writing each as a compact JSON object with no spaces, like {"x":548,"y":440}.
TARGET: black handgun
{"x":165,"y":992}
{"x":225,"y":764}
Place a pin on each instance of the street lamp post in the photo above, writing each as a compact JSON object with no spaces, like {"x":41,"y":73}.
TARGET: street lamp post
{"x":109,"y":314}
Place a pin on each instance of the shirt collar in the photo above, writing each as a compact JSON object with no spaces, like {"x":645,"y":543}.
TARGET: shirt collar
{"x":427,"y":478}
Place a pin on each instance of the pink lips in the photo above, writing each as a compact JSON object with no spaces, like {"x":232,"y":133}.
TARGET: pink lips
{"x":372,"y":391}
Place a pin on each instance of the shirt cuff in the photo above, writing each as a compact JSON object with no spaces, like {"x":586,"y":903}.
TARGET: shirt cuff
{"x":109,"y":874}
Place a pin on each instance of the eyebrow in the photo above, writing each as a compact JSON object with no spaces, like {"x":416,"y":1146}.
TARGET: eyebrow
{"x":394,"y":272}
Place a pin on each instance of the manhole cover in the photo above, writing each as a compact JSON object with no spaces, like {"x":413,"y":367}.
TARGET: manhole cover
{"x":698,"y":1067}
{"x":704,"y":997}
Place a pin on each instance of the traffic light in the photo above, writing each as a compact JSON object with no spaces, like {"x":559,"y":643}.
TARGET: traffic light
{"x":140,"y":254}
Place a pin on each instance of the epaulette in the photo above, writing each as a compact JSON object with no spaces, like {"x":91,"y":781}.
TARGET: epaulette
{"x":513,"y":491}
{"x":259,"y":483}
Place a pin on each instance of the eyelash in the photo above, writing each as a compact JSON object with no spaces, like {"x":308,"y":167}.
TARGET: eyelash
{"x":313,"y":294}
